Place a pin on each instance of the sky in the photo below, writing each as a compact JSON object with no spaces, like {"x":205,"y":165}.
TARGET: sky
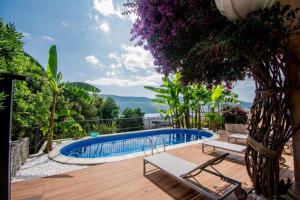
{"x":93,"y":44}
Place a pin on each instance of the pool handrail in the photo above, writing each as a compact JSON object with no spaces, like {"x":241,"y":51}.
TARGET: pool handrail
{"x":163,"y":142}
{"x":151,"y":144}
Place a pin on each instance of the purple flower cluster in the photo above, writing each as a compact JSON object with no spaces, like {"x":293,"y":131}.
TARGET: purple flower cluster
{"x":235,"y":115}
{"x":166,"y":28}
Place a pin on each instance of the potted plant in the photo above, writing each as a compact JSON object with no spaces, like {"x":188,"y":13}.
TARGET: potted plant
{"x":235,"y":119}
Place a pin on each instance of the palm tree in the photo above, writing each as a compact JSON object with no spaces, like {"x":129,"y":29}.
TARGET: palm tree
{"x":186,"y":94}
{"x":168,"y":94}
{"x":82,"y":90}
{"x":199,"y":98}
{"x":216,"y":96}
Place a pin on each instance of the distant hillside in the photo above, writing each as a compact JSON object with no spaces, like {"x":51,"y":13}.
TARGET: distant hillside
{"x":133,"y":102}
{"x":146,"y":103}
{"x":246,"y":105}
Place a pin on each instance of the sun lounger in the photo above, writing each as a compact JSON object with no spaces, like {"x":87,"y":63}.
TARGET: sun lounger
{"x":224,"y":145}
{"x":184,"y":172}
{"x":237,"y":136}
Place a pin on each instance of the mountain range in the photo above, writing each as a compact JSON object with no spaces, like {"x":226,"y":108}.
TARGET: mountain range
{"x":146,"y":104}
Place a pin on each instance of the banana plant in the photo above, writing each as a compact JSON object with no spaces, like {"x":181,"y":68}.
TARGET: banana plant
{"x":82,"y":90}
{"x":187,"y":96}
{"x":216,"y":96}
{"x":168,"y":94}
{"x":199,"y":98}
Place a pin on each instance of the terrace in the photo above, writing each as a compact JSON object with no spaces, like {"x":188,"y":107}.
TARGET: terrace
{"x":189,"y":55}
{"x":125,"y":180}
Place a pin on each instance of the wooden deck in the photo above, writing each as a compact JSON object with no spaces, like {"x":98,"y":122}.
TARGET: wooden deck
{"x":125,"y":180}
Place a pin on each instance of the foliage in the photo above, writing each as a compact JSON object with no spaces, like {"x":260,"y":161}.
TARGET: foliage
{"x":84,"y":111}
{"x":234,"y":115}
{"x":217,"y":94}
{"x":195,"y":96}
{"x":108,"y":128}
{"x":67,"y":126}
{"x":11,"y":47}
{"x":109,"y":110}
{"x":2,"y":98}
{"x":215,"y":120}
{"x":31,"y":99}
{"x":176,"y":31}
{"x":135,"y":119}
{"x":168,"y":94}
{"x":132,"y":113}
{"x":82,"y":90}
{"x":208,"y":48}
{"x":193,"y":37}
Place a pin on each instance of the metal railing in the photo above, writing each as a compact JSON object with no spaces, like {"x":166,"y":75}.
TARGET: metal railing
{"x":163,"y":143}
{"x":151,"y":144}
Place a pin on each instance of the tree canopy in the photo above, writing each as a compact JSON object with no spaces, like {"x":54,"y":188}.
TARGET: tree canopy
{"x":31,"y":99}
{"x":193,"y":37}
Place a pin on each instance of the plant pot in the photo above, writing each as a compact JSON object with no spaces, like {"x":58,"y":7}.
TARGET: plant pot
{"x":235,"y":128}
{"x":235,"y":9}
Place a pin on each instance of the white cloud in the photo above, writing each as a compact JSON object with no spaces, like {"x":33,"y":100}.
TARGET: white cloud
{"x":132,"y":17}
{"x":93,"y":60}
{"x":26,"y":35}
{"x":111,"y":74}
{"x":133,"y":59}
{"x":46,"y":37}
{"x":136,"y":58}
{"x":104,"y":7}
{"x":64,"y":24}
{"x":132,"y":67}
{"x":107,"y":8}
{"x":152,"y":80}
{"x":96,"y":17}
{"x":104,"y":27}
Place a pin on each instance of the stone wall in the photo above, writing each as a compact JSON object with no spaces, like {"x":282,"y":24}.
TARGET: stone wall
{"x":19,"y":152}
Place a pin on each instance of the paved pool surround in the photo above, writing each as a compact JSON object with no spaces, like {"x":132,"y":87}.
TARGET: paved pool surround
{"x":57,"y":156}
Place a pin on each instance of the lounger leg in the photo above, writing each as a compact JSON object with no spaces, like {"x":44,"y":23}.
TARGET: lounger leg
{"x":240,"y":193}
{"x":144,"y":168}
{"x":202,"y":148}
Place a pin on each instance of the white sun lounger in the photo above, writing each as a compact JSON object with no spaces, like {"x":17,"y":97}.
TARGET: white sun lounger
{"x":237,"y":136}
{"x":224,"y":145}
{"x":184,"y":171}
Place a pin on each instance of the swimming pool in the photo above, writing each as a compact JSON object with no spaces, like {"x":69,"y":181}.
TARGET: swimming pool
{"x":129,"y":143}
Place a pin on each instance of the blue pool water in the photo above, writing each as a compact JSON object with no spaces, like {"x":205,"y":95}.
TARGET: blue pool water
{"x":122,"y":144}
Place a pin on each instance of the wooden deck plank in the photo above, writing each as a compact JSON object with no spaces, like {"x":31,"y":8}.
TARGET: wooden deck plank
{"x":125,"y":180}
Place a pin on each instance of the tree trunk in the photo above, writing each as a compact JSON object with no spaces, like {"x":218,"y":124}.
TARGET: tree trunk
{"x":199,"y":118}
{"x":186,"y":111}
{"x":51,"y":127}
{"x":177,"y":120}
{"x":213,"y":123}
{"x":294,"y":82}
{"x":270,"y":126}
{"x":196,"y":119}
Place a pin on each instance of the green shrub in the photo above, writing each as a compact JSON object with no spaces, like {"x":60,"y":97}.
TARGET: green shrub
{"x":214,"y":120}
{"x":105,"y":128}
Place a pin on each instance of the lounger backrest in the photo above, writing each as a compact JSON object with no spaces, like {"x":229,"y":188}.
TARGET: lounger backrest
{"x":199,"y":168}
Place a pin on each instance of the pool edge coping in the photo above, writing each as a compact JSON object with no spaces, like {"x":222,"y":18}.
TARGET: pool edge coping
{"x":56,"y":156}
